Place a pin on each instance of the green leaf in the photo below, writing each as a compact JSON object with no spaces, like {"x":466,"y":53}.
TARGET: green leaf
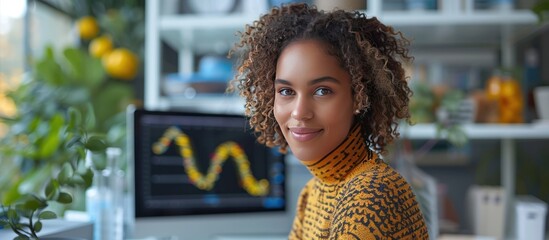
{"x":56,"y":122}
{"x":34,"y":203}
{"x":89,"y":122}
{"x":21,"y":237}
{"x":64,"y":197}
{"x":47,"y":215}
{"x":84,"y":69}
{"x":95,"y":144}
{"x":74,"y":96}
{"x":37,"y":226}
{"x":4,"y":222}
{"x":48,"y":70}
{"x":49,"y":145}
{"x":72,"y":141}
{"x":34,"y":124}
{"x":65,"y":173}
{"x":12,"y":214}
{"x":22,"y":211}
{"x":540,"y":9}
{"x":75,"y":117}
{"x":12,"y":194}
{"x":52,"y":141}
{"x":116,"y":96}
{"x":88,"y":178}
{"x":52,"y":190}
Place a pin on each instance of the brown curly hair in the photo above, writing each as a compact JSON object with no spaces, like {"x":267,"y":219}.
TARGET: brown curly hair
{"x":366,"y":48}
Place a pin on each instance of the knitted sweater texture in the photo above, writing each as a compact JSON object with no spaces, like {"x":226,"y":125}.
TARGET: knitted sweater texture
{"x":355,"y":195}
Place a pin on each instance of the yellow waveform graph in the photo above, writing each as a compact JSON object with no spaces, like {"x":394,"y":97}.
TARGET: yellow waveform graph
{"x":223,"y":152}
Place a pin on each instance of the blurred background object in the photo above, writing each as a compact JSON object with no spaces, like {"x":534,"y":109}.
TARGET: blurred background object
{"x":211,"y":6}
{"x":541,"y":95}
{"x":212,"y":77}
{"x":328,"y":5}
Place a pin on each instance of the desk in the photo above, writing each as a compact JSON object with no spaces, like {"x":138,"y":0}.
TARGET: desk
{"x":57,"y":228}
{"x":252,"y":237}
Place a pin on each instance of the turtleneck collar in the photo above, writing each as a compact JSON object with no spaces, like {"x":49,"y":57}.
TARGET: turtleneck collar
{"x":343,"y":159}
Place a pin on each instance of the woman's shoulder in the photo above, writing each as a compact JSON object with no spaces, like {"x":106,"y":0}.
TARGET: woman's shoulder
{"x":381,"y":199}
{"x":379,"y":179}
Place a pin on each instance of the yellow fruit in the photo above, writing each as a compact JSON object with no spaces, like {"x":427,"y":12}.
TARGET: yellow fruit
{"x":121,"y":63}
{"x":100,"y":46}
{"x":507,"y":116}
{"x":87,"y":27}
{"x":510,"y":88}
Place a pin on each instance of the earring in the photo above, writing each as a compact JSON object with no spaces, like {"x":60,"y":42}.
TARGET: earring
{"x":357,"y":111}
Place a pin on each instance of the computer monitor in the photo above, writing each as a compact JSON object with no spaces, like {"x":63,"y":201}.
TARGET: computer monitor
{"x":188,"y":163}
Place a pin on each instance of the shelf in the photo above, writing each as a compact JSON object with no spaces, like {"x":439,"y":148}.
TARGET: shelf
{"x":482,"y":28}
{"x":212,"y":104}
{"x":204,"y":32}
{"x":483,"y":131}
{"x":480,"y":18}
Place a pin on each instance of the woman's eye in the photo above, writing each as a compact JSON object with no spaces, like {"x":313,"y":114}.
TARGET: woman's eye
{"x":285,"y":92}
{"x":322,"y":91}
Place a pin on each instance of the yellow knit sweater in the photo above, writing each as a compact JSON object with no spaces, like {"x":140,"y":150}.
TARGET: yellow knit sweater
{"x":355,"y":195}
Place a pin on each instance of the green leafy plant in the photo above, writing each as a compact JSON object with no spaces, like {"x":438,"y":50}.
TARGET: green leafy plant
{"x":425,"y":105}
{"x":541,"y":9}
{"x":66,"y":107}
{"x":422,"y":104}
{"x":452,"y":128}
{"x":48,"y":138}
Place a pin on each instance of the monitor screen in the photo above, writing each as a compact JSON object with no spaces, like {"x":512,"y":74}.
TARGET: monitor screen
{"x":196,"y":163}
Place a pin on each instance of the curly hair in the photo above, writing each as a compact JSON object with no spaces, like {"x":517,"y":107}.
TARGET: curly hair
{"x":369,"y":50}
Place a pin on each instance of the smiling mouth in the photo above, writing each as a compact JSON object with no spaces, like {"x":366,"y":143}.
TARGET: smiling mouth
{"x":304,"y":134}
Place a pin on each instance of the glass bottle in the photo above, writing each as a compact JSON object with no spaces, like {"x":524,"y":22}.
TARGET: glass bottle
{"x":105,"y":199}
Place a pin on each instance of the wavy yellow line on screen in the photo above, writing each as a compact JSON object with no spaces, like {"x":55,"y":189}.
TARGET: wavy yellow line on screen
{"x":222,"y":153}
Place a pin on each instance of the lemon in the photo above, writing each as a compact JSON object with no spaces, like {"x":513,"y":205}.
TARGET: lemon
{"x":121,"y":63}
{"x":510,"y":88}
{"x":100,"y":46}
{"x":87,"y":27}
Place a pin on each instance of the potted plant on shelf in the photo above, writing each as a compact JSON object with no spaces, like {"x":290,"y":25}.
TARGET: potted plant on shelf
{"x":541,"y":9}
{"x":42,"y":154}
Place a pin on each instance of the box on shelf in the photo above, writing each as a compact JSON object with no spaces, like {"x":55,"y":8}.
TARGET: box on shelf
{"x":176,"y":85}
{"x":487,"y":206}
{"x":541,"y":96}
{"x":530,"y":218}
{"x":212,"y":77}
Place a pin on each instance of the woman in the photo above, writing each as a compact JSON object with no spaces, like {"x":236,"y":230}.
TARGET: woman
{"x":330,"y":86}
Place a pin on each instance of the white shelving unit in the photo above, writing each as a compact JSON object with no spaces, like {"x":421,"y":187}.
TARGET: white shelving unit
{"x":190,"y":34}
{"x":507,"y":135}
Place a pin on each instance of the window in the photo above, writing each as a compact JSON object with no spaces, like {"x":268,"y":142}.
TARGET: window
{"x":23,"y":38}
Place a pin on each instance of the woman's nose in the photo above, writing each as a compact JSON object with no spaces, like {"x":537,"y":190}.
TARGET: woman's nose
{"x":302,"y":109}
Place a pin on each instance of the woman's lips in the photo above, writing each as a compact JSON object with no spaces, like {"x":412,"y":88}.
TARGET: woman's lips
{"x":304,"y":134}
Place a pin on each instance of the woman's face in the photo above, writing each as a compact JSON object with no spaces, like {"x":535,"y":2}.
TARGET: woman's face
{"x":313,"y":100}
